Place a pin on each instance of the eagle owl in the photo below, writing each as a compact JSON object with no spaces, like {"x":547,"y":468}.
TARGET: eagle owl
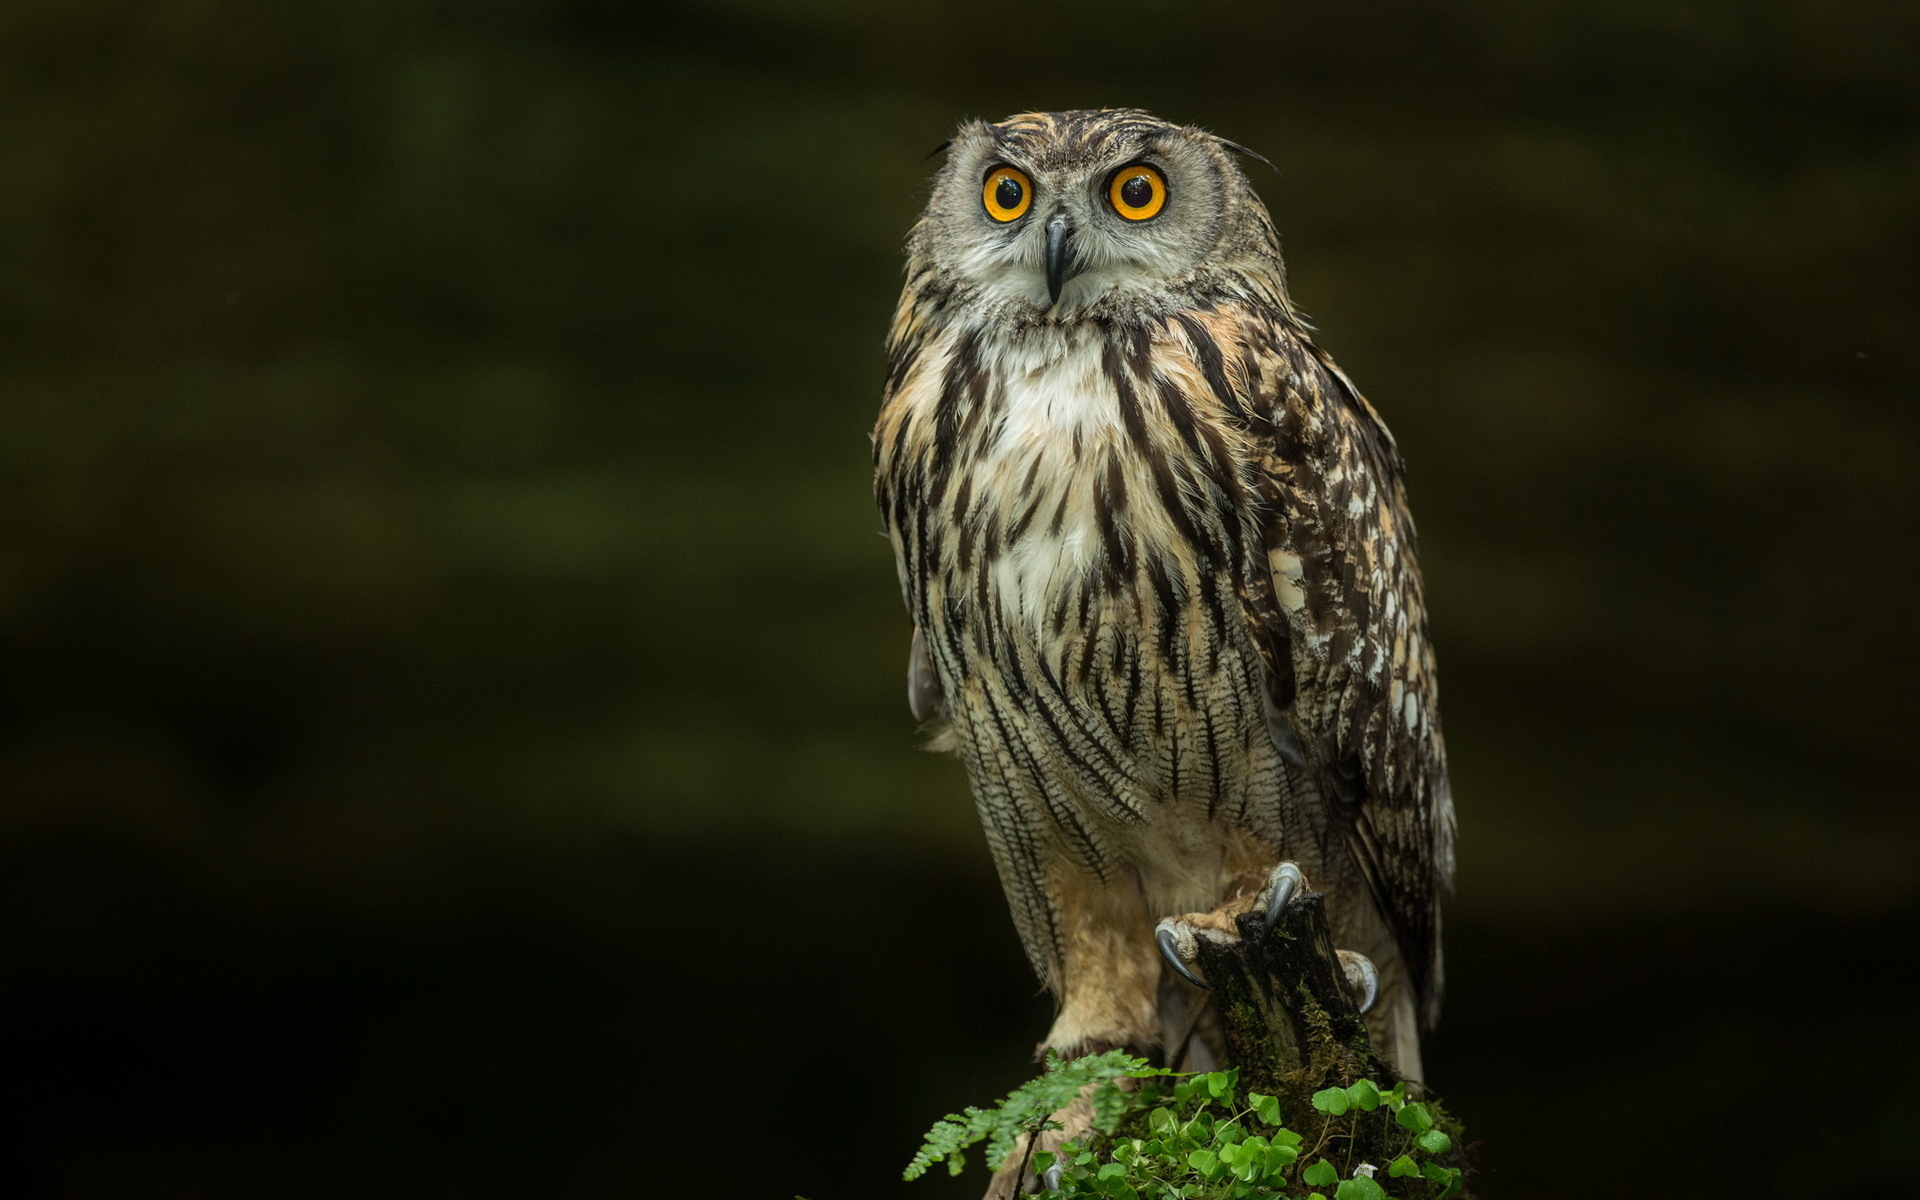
{"x":1157,"y":553}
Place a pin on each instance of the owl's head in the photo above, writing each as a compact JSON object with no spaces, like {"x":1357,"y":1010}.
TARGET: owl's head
{"x":1067,"y":215}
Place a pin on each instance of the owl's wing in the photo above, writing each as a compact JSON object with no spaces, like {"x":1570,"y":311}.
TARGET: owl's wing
{"x":1344,"y":625}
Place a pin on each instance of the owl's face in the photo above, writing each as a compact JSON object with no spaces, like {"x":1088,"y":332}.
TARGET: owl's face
{"x":1063,"y":215}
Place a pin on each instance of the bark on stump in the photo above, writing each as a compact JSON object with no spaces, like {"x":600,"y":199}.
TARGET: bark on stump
{"x":1288,"y":1019}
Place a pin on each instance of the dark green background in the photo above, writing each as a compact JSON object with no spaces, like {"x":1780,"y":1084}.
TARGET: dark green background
{"x":454,"y":737}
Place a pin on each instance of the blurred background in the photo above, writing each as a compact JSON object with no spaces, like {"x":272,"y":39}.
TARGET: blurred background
{"x":452,"y":725}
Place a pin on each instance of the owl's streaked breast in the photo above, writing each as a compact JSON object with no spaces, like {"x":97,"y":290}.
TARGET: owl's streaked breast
{"x":1057,"y":425}
{"x":1065,"y":607}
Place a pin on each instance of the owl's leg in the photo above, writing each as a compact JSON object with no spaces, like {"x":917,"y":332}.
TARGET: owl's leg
{"x":1108,"y":983}
{"x":1109,"y":975}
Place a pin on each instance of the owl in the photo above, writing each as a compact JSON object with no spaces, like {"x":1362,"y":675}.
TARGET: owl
{"x":1157,"y":553}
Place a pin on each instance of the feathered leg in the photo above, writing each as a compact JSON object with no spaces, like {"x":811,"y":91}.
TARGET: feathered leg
{"x":1108,"y":982}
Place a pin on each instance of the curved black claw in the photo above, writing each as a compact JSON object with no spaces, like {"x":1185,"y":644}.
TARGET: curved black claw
{"x":1362,"y":980}
{"x":1285,"y":881}
{"x":1167,"y":937}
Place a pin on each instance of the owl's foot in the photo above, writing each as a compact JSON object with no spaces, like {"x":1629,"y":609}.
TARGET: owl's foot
{"x":1175,"y":935}
{"x":1178,"y":937}
{"x":1363,"y":981}
{"x":1282,"y":884}
{"x":1175,"y":938}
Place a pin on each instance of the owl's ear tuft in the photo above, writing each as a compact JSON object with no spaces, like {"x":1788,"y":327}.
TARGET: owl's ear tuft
{"x":1237,"y":148}
{"x":940,"y":149}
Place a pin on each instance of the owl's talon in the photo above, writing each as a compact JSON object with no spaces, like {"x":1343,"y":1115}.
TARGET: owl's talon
{"x":1284,"y":882}
{"x":1363,"y":981}
{"x":1052,"y":1178}
{"x":1172,"y":937}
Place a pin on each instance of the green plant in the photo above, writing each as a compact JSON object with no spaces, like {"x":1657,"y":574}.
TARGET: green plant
{"x":1202,"y":1138}
{"x":1029,"y":1107}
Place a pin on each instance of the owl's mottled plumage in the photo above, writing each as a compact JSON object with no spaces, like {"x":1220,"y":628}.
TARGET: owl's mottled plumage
{"x":1158,"y":558}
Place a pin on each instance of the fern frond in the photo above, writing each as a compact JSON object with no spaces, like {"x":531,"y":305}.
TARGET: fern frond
{"x":1027,"y":1109}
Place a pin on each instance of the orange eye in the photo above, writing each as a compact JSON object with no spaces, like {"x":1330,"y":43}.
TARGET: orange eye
{"x":1007,"y":194}
{"x":1137,"y":192}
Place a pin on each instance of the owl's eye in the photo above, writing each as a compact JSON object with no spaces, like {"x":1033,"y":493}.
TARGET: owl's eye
{"x":1137,"y":192}
{"x":1007,"y":194}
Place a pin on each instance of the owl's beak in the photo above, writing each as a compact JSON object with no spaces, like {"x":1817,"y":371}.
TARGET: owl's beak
{"x":1060,"y":264}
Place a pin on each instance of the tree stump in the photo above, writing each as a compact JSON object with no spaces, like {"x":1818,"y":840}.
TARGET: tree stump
{"x":1291,"y":1027}
{"x":1288,"y":1019}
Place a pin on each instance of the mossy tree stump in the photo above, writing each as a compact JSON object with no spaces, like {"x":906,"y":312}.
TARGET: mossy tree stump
{"x":1291,"y":1027}
{"x":1284,"y":1005}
